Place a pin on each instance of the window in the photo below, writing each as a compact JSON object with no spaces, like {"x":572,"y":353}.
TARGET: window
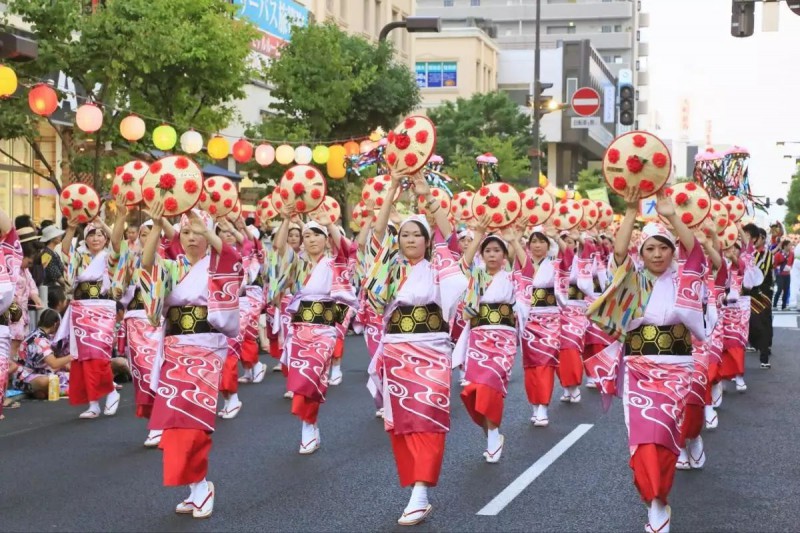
{"x":474,"y":3}
{"x":606,"y":29}
{"x":617,"y":28}
{"x":560,"y":29}
{"x":448,"y":3}
{"x":618,"y":60}
{"x":608,"y":59}
{"x":438,"y":74}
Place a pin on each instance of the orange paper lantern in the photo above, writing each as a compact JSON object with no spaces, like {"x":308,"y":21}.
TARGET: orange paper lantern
{"x":43,"y":100}
{"x":335,"y":165}
{"x":242,"y":151}
{"x":351,"y":148}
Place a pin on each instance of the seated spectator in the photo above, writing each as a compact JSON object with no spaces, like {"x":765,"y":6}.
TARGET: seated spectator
{"x":119,"y":363}
{"x":32,"y":376}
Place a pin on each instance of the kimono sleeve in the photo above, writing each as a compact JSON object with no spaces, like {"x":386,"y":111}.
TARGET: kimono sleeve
{"x":281,"y":272}
{"x":121,"y":276}
{"x":477,"y":280}
{"x":452,"y":282}
{"x":379,"y":281}
{"x":156,"y":283}
{"x":622,"y":301}
{"x":753,"y":276}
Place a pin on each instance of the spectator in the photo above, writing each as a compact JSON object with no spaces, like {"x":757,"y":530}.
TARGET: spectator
{"x":783,"y":262}
{"x":32,"y":376}
{"x":50,"y":259}
{"x":57,"y":299}
{"x":26,"y":287}
{"x":45,"y":223}
{"x":24,"y":221}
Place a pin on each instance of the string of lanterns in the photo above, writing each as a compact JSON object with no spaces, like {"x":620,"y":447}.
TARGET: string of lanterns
{"x":43,"y":101}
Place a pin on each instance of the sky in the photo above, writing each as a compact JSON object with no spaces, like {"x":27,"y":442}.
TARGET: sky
{"x":747,"y":87}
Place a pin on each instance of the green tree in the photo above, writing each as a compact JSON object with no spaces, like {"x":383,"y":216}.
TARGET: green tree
{"x":332,"y":85}
{"x":511,"y":167}
{"x":589,"y":179}
{"x":181,"y":61}
{"x":793,"y":200}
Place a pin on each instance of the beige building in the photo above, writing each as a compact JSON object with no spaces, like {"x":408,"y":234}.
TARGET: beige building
{"x":456,"y":63}
{"x":366,"y":18}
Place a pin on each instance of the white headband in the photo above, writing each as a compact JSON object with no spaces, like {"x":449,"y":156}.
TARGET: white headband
{"x":313,"y":225}
{"x":420,"y":219}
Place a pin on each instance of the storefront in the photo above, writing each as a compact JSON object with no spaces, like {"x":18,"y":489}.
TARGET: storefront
{"x":22,"y":191}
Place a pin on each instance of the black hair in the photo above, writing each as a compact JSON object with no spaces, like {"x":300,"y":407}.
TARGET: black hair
{"x":663,"y":240}
{"x":297,"y":230}
{"x":23,"y":221}
{"x":392,"y":230}
{"x":737,"y":245}
{"x":46,"y":223}
{"x":752,"y":230}
{"x":762,"y":233}
{"x":120,"y":307}
{"x":55,"y":295}
{"x":30,"y":249}
{"x":48,"y":319}
{"x":540,"y":236}
{"x":250,"y":221}
{"x":496,"y":239}
{"x":785,"y":242}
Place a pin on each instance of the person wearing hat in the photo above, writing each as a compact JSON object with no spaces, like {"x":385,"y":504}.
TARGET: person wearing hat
{"x":26,"y":289}
{"x":488,"y":344}
{"x":644,"y":310}
{"x":315,"y":280}
{"x":89,"y":323}
{"x":196,"y":295}
{"x":411,"y":372}
{"x":760,"y":330}
{"x":10,"y":259}
{"x":50,"y":259}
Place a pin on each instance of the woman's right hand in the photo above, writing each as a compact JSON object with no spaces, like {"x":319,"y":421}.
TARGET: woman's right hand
{"x":157,"y":211}
{"x":483,"y":225}
{"x":632,"y":197}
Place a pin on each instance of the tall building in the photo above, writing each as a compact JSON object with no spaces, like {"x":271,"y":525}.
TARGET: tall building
{"x":612,"y":26}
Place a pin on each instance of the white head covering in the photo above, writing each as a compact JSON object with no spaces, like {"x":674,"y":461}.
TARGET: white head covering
{"x":465,"y":232}
{"x":314,"y":225}
{"x":654,"y":229}
{"x":419,"y":219}
{"x":254,"y":232}
{"x":495,"y":237}
{"x":147,"y":223}
{"x":202,"y":215}
{"x":90,"y":227}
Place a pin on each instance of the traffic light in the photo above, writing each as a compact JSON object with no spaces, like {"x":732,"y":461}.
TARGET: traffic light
{"x":743,"y":18}
{"x":627,"y":97}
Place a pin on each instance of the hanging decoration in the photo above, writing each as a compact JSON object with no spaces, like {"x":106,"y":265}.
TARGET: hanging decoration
{"x":320,"y":154}
{"x":132,"y":128}
{"x":218,"y":147}
{"x":191,"y":142}
{"x":242,"y":151}
{"x":487,"y":168}
{"x":165,"y":137}
{"x":336,"y":162}
{"x":8,"y":81}
{"x":265,"y":155}
{"x":302,"y":155}
{"x":43,"y":100}
{"x":284,"y":154}
{"x":726,"y":173}
{"x":435,"y":176}
{"x":89,"y":118}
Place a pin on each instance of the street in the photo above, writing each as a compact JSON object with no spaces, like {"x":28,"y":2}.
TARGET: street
{"x":61,"y":473}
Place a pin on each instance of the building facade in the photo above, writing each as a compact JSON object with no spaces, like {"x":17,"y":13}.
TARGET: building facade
{"x":456,"y":63}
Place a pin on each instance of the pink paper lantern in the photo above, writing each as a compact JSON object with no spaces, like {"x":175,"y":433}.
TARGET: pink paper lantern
{"x":89,"y":118}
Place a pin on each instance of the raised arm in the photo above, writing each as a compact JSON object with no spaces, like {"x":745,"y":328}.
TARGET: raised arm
{"x":119,"y":223}
{"x":199,"y":227}
{"x":279,"y":243}
{"x":480,"y":232}
{"x":66,"y":243}
{"x":150,"y":247}
{"x":439,"y":215}
{"x":711,"y":245}
{"x":363,"y":233}
{"x":379,"y":230}
{"x":622,"y":241}
{"x":666,"y":209}
{"x":167,"y":228}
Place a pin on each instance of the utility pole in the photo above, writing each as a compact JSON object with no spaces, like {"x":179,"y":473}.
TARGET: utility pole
{"x":536,"y":164}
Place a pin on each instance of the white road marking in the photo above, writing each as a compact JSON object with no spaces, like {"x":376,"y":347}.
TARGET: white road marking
{"x":784,"y":321}
{"x":535,"y":470}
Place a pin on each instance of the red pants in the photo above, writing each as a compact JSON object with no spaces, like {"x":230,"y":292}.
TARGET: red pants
{"x":305,"y":409}
{"x":713,"y":379}
{"x":249,"y":355}
{"x":570,"y":367}
{"x":90,"y":380}
{"x":539,"y":384}
{"x":338,"y":349}
{"x":185,"y":455}
{"x":144,"y":410}
{"x":229,"y":378}
{"x":693,"y":420}
{"x":274,"y":348}
{"x":418,"y":457}
{"x":483,"y":403}
{"x":653,"y":471}
{"x":732,"y":364}
{"x":590,"y":350}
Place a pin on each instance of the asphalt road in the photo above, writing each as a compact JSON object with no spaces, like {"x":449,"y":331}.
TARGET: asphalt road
{"x":59,"y":473}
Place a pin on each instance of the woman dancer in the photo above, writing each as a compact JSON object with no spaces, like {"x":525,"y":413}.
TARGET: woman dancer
{"x":488,"y":343}
{"x":417,"y":295}
{"x":541,"y":335}
{"x":10,"y":261}
{"x":197,"y":294}
{"x":318,"y":282}
{"x":26,"y":288}
{"x":139,"y":338}
{"x":655,"y":312}
{"x":89,"y":322}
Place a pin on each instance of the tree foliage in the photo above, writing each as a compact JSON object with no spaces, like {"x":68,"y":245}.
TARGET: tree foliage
{"x":332,"y":85}
{"x":181,"y":61}
{"x":589,"y":179}
{"x":511,"y":167}
{"x":793,"y":201}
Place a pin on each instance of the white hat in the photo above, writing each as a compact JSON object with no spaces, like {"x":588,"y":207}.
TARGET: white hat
{"x":420,"y":219}
{"x":314,"y":225}
{"x":51,"y":232}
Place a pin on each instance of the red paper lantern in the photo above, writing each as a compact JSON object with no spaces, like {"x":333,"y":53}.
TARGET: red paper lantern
{"x":43,"y":100}
{"x":242,"y":151}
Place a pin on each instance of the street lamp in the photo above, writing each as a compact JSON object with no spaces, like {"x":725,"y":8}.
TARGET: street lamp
{"x":412,"y":25}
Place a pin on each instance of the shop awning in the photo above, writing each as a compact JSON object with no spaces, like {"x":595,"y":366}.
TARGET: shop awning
{"x":214,"y":170}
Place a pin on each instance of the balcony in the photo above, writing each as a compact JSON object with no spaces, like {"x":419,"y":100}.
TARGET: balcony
{"x":644,"y":20}
{"x":583,"y":10}
{"x":642,"y":79}
{"x":643,"y":49}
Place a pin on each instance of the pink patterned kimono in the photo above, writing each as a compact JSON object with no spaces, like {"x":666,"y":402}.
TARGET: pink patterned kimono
{"x":25,"y":287}
{"x":412,"y":367}
{"x":200,"y":306}
{"x":10,"y":261}
{"x":638,"y":310}
{"x":573,"y":283}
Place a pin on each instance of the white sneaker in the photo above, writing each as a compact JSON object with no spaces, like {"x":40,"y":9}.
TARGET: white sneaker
{"x":206,"y":506}
{"x":259,"y":371}
{"x":683,"y":461}
{"x":712,"y":421}
{"x":288,"y":395}
{"x":112,"y":404}
{"x":697,"y":454}
{"x":541,"y":417}
{"x":494,"y":456}
{"x":153,"y":440}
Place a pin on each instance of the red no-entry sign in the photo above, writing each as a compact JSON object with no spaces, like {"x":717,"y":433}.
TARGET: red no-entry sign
{"x":586,"y":101}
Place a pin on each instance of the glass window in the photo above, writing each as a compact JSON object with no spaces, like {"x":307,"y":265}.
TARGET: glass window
{"x":448,"y":3}
{"x":606,"y":29}
{"x":617,"y":28}
{"x":44,"y":200}
{"x":5,"y":191}
{"x":21,"y":194}
{"x":474,"y":3}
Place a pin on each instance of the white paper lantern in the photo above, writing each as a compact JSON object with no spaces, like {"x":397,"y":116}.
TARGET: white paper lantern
{"x":191,"y":142}
{"x":265,"y":154}
{"x":302,"y":155}
{"x":284,"y":155}
{"x":89,"y":118}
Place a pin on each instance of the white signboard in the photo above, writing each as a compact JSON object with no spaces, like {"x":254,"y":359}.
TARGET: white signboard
{"x":582,"y":123}
{"x":647,"y":207}
{"x":609,"y":103}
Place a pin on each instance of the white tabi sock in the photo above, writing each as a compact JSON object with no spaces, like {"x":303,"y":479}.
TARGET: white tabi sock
{"x":199,"y":491}
{"x":234,"y":399}
{"x":419,"y":498}
{"x":542,"y":414}
{"x":94,"y":406}
{"x":462,"y":373}
{"x":492,"y":439}
{"x":308,"y":433}
{"x":739,"y":380}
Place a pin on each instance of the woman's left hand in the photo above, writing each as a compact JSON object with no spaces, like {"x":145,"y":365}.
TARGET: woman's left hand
{"x":421,"y":186}
{"x":664,"y":205}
